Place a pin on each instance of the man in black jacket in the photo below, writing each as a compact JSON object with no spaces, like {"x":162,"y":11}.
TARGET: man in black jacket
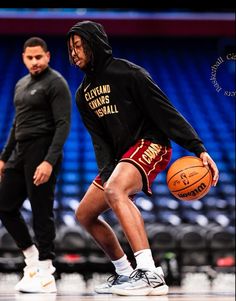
{"x":29,"y":163}
{"x":131,"y":123}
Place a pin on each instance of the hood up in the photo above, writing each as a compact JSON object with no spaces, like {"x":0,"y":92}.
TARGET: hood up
{"x":97,"y":39}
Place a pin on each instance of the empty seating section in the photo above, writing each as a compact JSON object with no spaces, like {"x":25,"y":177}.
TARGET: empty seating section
{"x":182,"y":68}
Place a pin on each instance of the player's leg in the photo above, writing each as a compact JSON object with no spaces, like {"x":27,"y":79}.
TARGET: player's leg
{"x":146,"y":279}
{"x":87,"y":213}
{"x":126,"y":180}
{"x":129,"y":177}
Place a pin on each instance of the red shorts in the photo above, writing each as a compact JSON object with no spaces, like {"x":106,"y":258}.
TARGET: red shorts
{"x":149,"y":158}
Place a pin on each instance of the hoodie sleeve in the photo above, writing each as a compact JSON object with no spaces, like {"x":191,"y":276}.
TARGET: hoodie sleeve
{"x":61,"y":109}
{"x":10,"y":144}
{"x":163,"y":114}
{"x":102,"y":148}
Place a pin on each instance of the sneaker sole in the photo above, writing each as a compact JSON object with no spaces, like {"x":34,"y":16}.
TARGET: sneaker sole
{"x":49,"y":290}
{"x":37,"y":292}
{"x":106,"y":292}
{"x":159,"y":291}
{"x":148,"y":291}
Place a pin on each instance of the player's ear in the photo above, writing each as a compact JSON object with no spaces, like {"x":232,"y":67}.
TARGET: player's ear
{"x":48,"y":55}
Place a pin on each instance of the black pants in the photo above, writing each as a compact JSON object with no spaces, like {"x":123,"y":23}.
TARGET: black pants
{"x":17,"y":185}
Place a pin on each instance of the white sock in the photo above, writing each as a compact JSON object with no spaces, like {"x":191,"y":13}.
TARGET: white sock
{"x":32,"y":251}
{"x":144,"y":260}
{"x":45,"y":264}
{"x":31,"y":255}
{"x":123,"y":266}
{"x":46,"y":267}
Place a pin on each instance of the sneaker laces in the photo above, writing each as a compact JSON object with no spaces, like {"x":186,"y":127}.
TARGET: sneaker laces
{"x":139,"y":274}
{"x":112,"y":279}
{"x":142,"y":274}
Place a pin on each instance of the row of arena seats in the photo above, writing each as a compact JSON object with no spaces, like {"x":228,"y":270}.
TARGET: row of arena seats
{"x":175,"y":248}
{"x":167,"y":211}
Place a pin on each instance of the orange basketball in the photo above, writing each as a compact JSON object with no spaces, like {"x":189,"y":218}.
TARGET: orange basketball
{"x":188,"y":179}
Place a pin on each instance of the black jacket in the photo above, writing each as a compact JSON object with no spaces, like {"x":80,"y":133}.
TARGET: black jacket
{"x":119,"y":103}
{"x":42,"y":107}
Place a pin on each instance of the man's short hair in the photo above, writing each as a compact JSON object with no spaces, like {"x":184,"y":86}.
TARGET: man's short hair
{"x":35,"y":41}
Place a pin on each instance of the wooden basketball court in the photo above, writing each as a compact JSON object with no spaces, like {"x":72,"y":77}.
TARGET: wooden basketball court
{"x":174,"y":295}
{"x":73,"y":288}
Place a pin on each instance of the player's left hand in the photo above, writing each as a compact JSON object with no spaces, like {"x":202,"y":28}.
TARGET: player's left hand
{"x":207,"y":160}
{"x":42,"y":173}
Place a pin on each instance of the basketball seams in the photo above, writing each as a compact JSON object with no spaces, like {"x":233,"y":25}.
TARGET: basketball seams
{"x":205,"y":193}
{"x":193,"y":183}
{"x":190,"y":157}
{"x":177,"y":178}
{"x":184,"y":170}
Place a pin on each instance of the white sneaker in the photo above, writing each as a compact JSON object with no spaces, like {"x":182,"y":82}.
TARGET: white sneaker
{"x":37,"y":281}
{"x":105,"y":288}
{"x":143,"y":283}
{"x":29,"y":272}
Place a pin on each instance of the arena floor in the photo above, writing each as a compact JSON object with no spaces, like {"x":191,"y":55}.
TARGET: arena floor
{"x":71,"y":287}
{"x":174,"y":295}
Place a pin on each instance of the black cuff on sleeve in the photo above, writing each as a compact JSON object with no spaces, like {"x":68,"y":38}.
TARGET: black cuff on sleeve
{"x":199,"y":149}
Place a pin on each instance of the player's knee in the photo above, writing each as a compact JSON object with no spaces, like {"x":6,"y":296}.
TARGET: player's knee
{"x":112,"y":193}
{"x":82,"y":216}
{"x":79,"y":214}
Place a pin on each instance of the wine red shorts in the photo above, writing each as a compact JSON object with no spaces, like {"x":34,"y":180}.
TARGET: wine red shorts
{"x":149,"y":158}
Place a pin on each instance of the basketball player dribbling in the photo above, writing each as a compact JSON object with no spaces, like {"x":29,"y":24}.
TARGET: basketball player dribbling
{"x":131,"y":123}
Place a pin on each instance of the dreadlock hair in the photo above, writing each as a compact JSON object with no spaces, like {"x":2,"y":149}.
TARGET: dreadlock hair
{"x":87,"y":50}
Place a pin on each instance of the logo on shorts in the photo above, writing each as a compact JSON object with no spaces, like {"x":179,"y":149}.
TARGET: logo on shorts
{"x":150,"y":153}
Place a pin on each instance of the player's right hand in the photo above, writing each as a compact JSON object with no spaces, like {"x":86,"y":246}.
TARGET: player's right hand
{"x":207,"y":160}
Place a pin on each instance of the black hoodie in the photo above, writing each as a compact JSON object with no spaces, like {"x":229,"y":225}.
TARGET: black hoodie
{"x":119,"y":103}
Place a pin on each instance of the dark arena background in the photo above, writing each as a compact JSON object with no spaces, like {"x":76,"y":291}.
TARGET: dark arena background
{"x":191,"y":55}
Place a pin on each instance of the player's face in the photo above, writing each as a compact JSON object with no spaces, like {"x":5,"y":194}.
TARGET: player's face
{"x":77,"y":52}
{"x":36,"y":59}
